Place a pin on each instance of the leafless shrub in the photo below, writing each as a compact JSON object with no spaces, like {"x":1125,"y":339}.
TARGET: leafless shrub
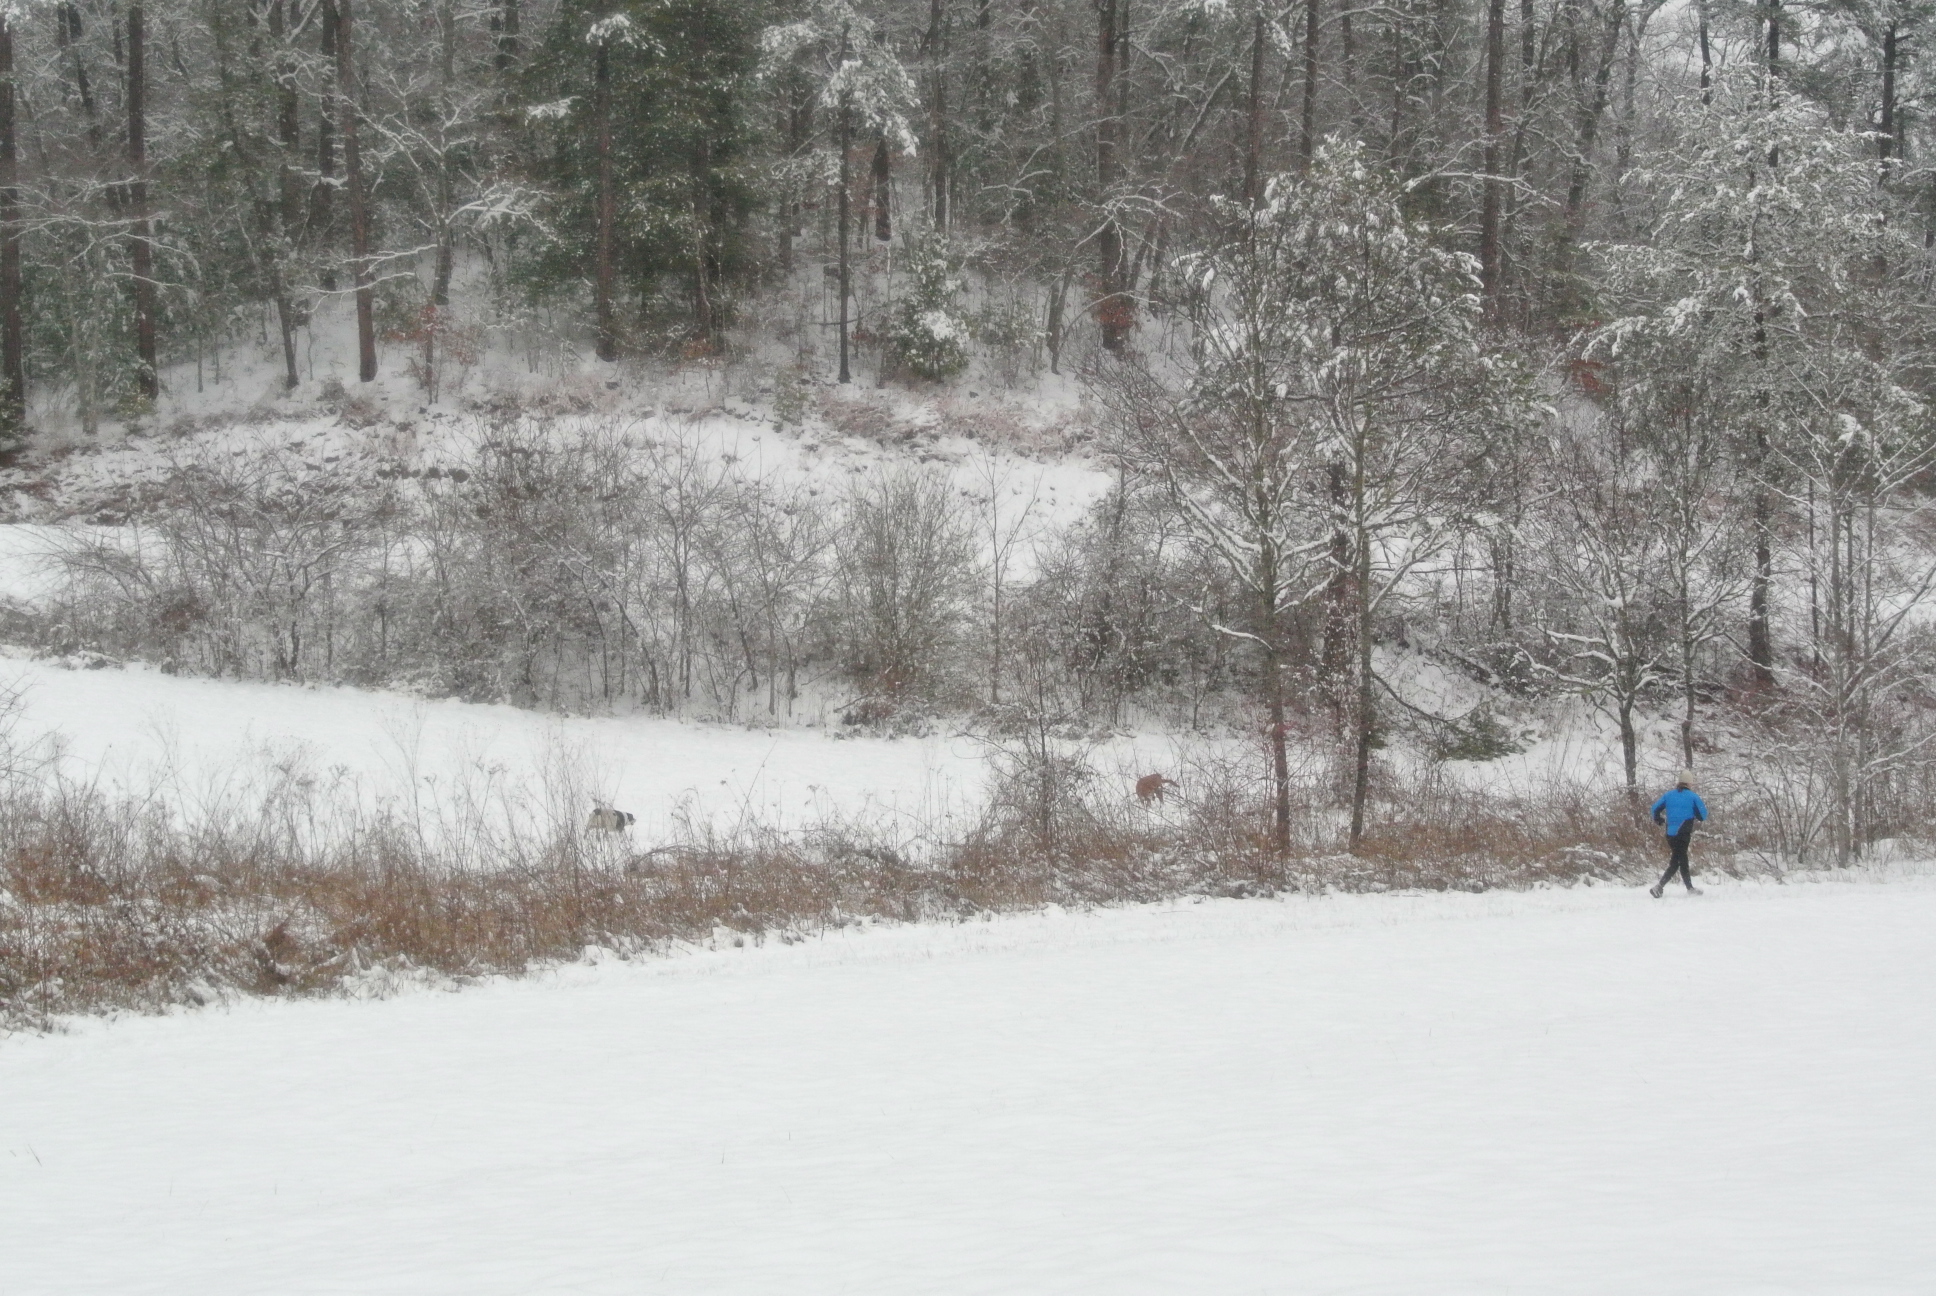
{"x":865,"y":418}
{"x":123,"y":903}
{"x":903,"y":576}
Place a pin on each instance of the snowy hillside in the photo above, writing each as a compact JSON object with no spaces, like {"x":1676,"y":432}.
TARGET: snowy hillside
{"x":1579,"y":1092}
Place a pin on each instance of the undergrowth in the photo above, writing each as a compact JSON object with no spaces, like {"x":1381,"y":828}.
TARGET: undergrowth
{"x":115,"y":902}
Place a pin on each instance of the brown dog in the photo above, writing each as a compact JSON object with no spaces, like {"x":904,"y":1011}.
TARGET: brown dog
{"x":1150,"y":787}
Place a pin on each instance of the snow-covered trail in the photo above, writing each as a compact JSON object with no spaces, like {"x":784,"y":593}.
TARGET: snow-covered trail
{"x":1557,"y":1092}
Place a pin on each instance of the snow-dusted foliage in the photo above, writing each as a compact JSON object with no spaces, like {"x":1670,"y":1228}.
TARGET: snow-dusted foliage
{"x":1589,"y":359}
{"x":854,"y":65}
{"x":1322,"y":432}
{"x":927,"y":335}
{"x":1774,"y":319}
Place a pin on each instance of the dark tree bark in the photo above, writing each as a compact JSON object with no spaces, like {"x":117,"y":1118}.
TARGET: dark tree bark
{"x":1366,"y":709}
{"x":1586,"y":136}
{"x":604,"y":274}
{"x":1112,"y":306}
{"x":883,"y":187}
{"x":704,"y":264}
{"x":433,"y":323}
{"x":322,"y":200}
{"x":1254,"y":116}
{"x":940,"y":165}
{"x":288,"y":205}
{"x":1707,"y":54}
{"x":1886,"y":145}
{"x":984,"y":67}
{"x":1492,"y":201}
{"x":1279,"y":733}
{"x":1308,"y":127}
{"x":69,"y":31}
{"x":798,"y":129}
{"x":504,"y":24}
{"x":846,"y":144}
{"x":346,"y":110}
{"x":13,"y":369}
{"x":141,"y":252}
{"x":446,"y":166}
{"x":1761,"y":644}
{"x":288,"y":120}
{"x":1347,"y":67}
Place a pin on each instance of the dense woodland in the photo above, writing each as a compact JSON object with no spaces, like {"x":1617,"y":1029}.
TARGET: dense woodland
{"x":645,"y":170}
{"x":1582,"y":341}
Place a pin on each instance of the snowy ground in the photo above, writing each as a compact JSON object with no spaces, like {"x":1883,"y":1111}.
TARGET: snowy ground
{"x":199,"y":741}
{"x":1559,"y":1092}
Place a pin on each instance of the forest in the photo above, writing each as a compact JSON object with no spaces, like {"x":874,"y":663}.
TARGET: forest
{"x":1583,"y":343}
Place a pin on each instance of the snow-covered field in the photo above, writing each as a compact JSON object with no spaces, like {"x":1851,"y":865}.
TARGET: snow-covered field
{"x":1579,"y":1091}
{"x":198,"y":741}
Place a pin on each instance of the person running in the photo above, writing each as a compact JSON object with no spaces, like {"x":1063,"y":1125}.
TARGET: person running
{"x":1677,"y":811}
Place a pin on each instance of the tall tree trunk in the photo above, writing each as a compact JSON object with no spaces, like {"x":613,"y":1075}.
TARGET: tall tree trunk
{"x":1254,"y":116}
{"x":705,"y":326}
{"x":984,"y":67}
{"x":68,"y":33}
{"x":1279,"y":743}
{"x":1334,"y":662}
{"x":505,"y":23}
{"x":1689,"y":687}
{"x":1586,"y":136}
{"x":846,"y":144}
{"x":13,"y":368}
{"x":1112,"y":307}
{"x":1886,"y":144}
{"x":346,"y":106}
{"x":1624,"y":129}
{"x":705,"y":221}
{"x":1308,"y":123}
{"x":433,"y":322}
{"x":1495,"y":184}
{"x":1761,"y":646}
{"x":939,"y":165}
{"x":288,"y":205}
{"x":446,"y":167}
{"x":1629,"y":749}
{"x":603,"y":271}
{"x":1367,"y":715}
{"x":322,"y":200}
{"x":1707,"y":53}
{"x":288,"y":122}
{"x":1347,"y":69}
{"x":1531,"y":73}
{"x":883,"y":188}
{"x":141,"y":247}
{"x":799,"y":126}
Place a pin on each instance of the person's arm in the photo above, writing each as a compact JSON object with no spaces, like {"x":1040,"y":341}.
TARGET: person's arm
{"x":1700,"y":808}
{"x":1659,"y":812}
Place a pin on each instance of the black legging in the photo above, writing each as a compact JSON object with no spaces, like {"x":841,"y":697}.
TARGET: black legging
{"x":1677,"y":861}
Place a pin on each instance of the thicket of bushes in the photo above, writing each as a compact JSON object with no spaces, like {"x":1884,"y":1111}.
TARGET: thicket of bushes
{"x":120,"y":902}
{"x":598,"y":569}
{"x":606,"y":570}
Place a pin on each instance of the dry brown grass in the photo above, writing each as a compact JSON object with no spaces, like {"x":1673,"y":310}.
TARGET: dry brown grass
{"x":116,"y":904}
{"x":105,"y":905}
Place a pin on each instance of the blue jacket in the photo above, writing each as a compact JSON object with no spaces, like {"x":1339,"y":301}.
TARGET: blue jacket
{"x":1676,"y":808}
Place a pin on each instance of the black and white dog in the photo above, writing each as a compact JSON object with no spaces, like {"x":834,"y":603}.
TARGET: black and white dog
{"x":606,"y":819}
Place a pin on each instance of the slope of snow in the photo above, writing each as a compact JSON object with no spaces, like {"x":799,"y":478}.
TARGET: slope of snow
{"x":1556,"y":1092}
